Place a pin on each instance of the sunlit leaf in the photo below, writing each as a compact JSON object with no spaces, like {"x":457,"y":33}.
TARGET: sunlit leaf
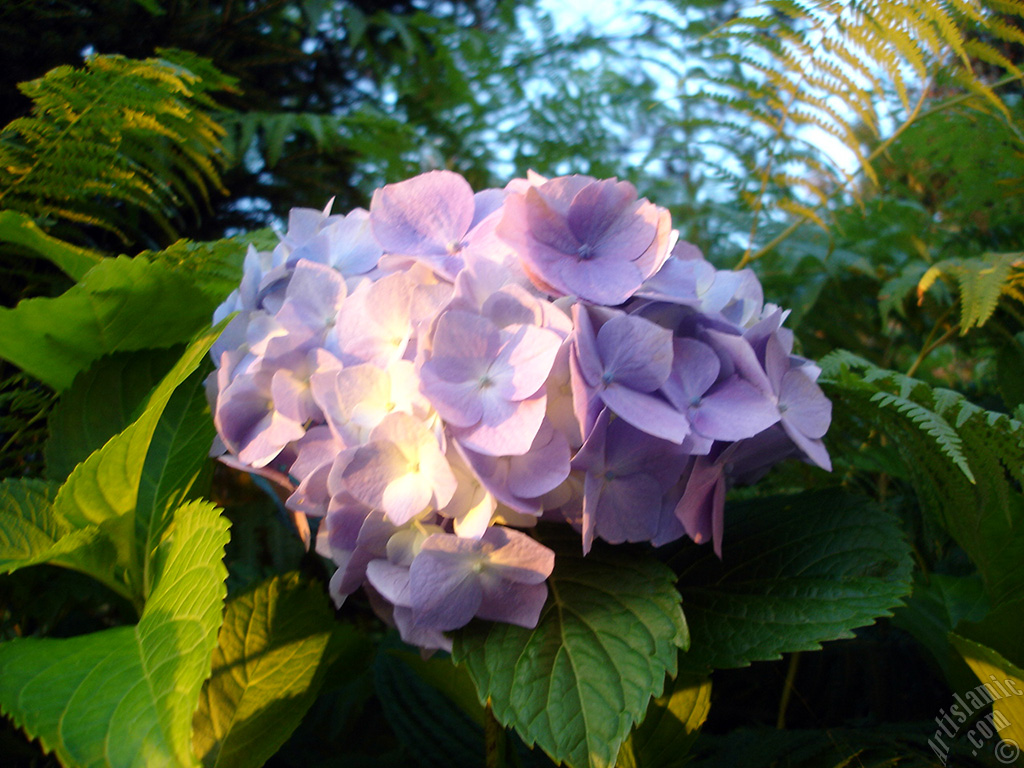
{"x":577,"y":683}
{"x":125,"y":696}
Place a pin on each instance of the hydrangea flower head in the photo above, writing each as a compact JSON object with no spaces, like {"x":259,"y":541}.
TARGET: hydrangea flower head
{"x":577,"y":236}
{"x":430,"y":379}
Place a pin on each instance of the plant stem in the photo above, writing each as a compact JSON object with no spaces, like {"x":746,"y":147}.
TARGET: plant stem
{"x":787,"y":690}
{"x":495,"y":740}
{"x":929,"y":345}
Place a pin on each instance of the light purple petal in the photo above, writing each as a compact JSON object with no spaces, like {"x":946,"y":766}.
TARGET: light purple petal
{"x":647,"y":412}
{"x":444,"y":586}
{"x":525,"y":361}
{"x":427,"y":214}
{"x":630,"y":509}
{"x":515,"y":556}
{"x":597,"y":207}
{"x":506,"y":429}
{"x":636,"y":353}
{"x":804,"y":405}
{"x":392,"y":581}
{"x":695,"y":368}
{"x":543,"y":467}
{"x":519,"y":604}
{"x":733,"y":410}
{"x":549,"y":227}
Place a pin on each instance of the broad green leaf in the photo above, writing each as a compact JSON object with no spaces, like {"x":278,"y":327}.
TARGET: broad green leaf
{"x":32,"y":532}
{"x":28,"y":525}
{"x":449,"y":737}
{"x":439,"y":672}
{"x":22,"y":230}
{"x":177,"y":453}
{"x":795,"y":572}
{"x":106,"y":485}
{"x":125,"y":696}
{"x":120,"y":304}
{"x":100,"y":403}
{"x":934,"y":609}
{"x":577,"y":683}
{"x":269,"y":662}
{"x":1002,"y":683}
{"x":214,"y":267}
{"x":670,"y":727}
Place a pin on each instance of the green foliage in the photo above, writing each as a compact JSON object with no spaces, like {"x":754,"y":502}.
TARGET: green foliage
{"x":577,"y":683}
{"x":32,"y":532}
{"x":340,"y":97}
{"x":450,"y":737}
{"x":670,"y":727}
{"x":966,"y":466}
{"x":937,"y":606}
{"x":114,"y":139}
{"x":982,"y":281}
{"x":101,"y":402}
{"x":125,"y":696}
{"x":795,"y":571}
{"x":24,"y":407}
{"x":795,"y":97}
{"x":106,"y":485}
{"x":215,"y":267}
{"x":272,"y":651}
{"x":20,"y":229}
{"x":120,"y":304}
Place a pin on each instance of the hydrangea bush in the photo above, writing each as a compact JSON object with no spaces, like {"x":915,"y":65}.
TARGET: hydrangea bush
{"x":511,"y":418}
{"x":432,"y":377}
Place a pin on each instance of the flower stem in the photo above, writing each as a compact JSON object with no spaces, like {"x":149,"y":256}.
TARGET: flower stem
{"x":495,"y":740}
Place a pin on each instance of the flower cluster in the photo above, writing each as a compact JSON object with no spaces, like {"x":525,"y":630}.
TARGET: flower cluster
{"x":433,"y":375}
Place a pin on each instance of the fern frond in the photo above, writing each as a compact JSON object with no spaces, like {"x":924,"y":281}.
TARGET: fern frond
{"x":981,"y":508}
{"x":982,"y":282}
{"x":114,"y":137}
{"x":794,"y":69}
{"x":946,"y":438}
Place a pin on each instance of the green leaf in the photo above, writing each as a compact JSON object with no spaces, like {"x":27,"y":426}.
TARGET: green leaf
{"x":268,"y":666}
{"x":974,"y":492}
{"x":440,"y":673}
{"x":32,"y":532}
{"x":28,"y":526}
{"x":449,"y":738}
{"x":670,"y":727}
{"x":214,"y":267}
{"x":106,"y":485}
{"x":121,"y":304}
{"x":795,"y":572}
{"x":22,"y":230}
{"x":577,"y":683}
{"x":934,"y":609}
{"x":100,"y":403}
{"x":177,"y":453}
{"x":125,"y":696}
